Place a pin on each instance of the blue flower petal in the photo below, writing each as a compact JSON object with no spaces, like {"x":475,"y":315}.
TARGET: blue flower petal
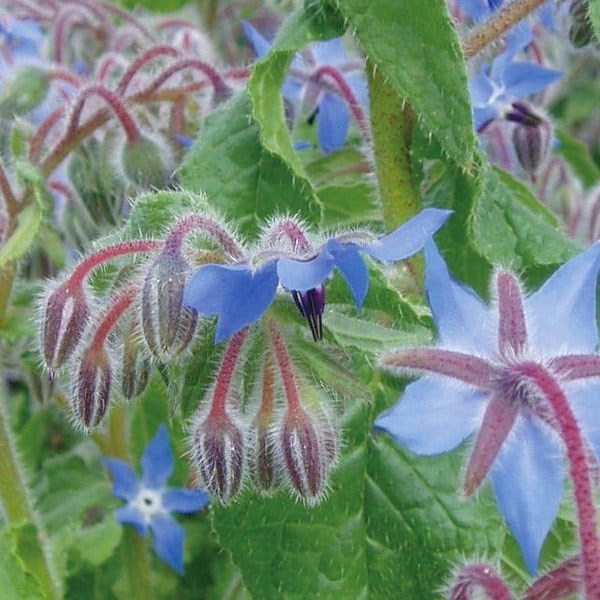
{"x":463,"y":321}
{"x":481,"y":89}
{"x":528,"y":481}
{"x":330,"y":52}
{"x":585,"y":404}
{"x":304,"y":275}
{"x":524,"y":79}
{"x":359,"y":88}
{"x":184,"y":501}
{"x":157,"y":461}
{"x":333,"y":122}
{"x":259,"y":44}
{"x":483,"y":117}
{"x":234,"y":294}
{"x":125,"y":483}
{"x":129,"y":515}
{"x":168,"y":541}
{"x":567,"y":301}
{"x":409,"y":238}
{"x":352,"y":266}
{"x":434,"y":415}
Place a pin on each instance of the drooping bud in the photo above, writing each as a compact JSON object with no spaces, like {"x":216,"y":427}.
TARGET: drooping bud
{"x":531,"y":136}
{"x":479,"y":577}
{"x":25,"y":90}
{"x":263,"y":459}
{"x":135,"y":371}
{"x":66,"y":313}
{"x":218,"y":448}
{"x":218,"y":454}
{"x":581,"y":31}
{"x":146,"y":163}
{"x":308,"y":447}
{"x":168,"y":327}
{"x":92,"y":388}
{"x":311,"y":305}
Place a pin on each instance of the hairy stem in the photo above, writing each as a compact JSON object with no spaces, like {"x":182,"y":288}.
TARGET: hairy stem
{"x":498,"y":25}
{"x":17,"y":505}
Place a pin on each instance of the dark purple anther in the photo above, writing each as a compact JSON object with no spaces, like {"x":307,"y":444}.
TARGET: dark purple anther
{"x":311,"y":305}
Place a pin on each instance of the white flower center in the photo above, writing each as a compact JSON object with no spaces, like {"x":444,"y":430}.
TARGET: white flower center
{"x":149,"y":503}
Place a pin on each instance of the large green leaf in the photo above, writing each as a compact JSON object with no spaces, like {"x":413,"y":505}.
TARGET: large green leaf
{"x":242,"y":178}
{"x":594,"y":13}
{"x":16,"y":583}
{"x":391,"y":527}
{"x":419,"y":53}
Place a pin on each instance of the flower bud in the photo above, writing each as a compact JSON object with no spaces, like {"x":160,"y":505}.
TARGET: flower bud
{"x":263,"y":460}
{"x":92,"y":388}
{"x":136,"y":366}
{"x":218,"y":453}
{"x":531,"y":136}
{"x":168,"y":327}
{"x":309,"y":446}
{"x":146,"y":164}
{"x":26,"y":89}
{"x":66,"y":314}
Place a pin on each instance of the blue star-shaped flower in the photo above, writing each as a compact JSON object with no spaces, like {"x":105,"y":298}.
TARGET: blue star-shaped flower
{"x":304,"y":85}
{"x":239,"y":295}
{"x":150,"y":503}
{"x":479,"y":380}
{"x":497,"y":86}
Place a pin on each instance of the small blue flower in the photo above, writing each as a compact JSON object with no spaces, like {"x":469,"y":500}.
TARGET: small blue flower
{"x":239,"y":295}
{"x":478,"y":383}
{"x":150,"y":503}
{"x":21,"y":40}
{"x":304,"y":85}
{"x":496,"y":86}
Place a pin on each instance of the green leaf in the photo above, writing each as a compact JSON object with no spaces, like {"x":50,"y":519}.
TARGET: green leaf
{"x":511,"y":227}
{"x":577,"y":155}
{"x":29,"y":222}
{"x":594,"y":14}
{"x":419,"y":53}
{"x":370,"y":337}
{"x":391,"y":524}
{"x":97,"y":543}
{"x":16,"y":582}
{"x":348,"y":205}
{"x":242,"y":178}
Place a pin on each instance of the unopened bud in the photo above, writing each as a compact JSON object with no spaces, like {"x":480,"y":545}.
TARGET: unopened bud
{"x":136,"y":366}
{"x":147,"y":164}
{"x":264,"y":460}
{"x":531,"y":136}
{"x":309,"y":447}
{"x":479,"y":577}
{"x":168,"y":327}
{"x":218,"y":453}
{"x":581,"y":31}
{"x":92,"y":388}
{"x":66,"y":314}
{"x":26,"y":89}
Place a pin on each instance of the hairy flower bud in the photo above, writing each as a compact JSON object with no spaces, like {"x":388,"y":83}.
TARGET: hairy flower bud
{"x":263,"y":460}
{"x":218,"y":454}
{"x":146,"y":163}
{"x":92,"y":388}
{"x":531,"y":136}
{"x":309,"y":446}
{"x":136,"y":367}
{"x":168,"y":327}
{"x":66,"y":313}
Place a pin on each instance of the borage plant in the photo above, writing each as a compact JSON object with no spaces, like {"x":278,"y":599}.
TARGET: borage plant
{"x":211,"y":225}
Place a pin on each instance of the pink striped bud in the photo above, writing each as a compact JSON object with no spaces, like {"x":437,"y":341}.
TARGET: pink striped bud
{"x":309,"y":445}
{"x":92,"y":388}
{"x":136,"y":366}
{"x":168,"y":327}
{"x":66,"y":314}
{"x":218,"y":454}
{"x":264,"y":460}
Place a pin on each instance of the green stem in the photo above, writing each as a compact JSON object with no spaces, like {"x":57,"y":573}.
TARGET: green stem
{"x":210,"y":13}
{"x":15,"y":499}
{"x":392,"y":124}
{"x":7,"y":277}
{"x":134,"y":547}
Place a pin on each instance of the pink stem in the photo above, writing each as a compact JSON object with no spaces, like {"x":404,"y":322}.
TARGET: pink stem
{"x":122,"y":302}
{"x":140,"y":62}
